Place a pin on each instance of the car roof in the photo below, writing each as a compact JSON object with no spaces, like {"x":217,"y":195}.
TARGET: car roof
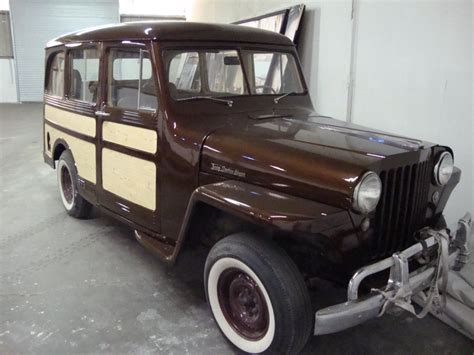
{"x":172,"y":31}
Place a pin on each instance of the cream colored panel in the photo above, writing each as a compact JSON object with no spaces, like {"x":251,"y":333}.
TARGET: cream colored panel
{"x":82,"y":151}
{"x":70,"y":120}
{"x":130,"y":136}
{"x":131,"y":178}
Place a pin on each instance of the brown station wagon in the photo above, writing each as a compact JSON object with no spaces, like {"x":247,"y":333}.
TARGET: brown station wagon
{"x":201,"y":133}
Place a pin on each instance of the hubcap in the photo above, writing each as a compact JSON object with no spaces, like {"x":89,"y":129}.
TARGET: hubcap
{"x":66,"y":184}
{"x":243,"y":304}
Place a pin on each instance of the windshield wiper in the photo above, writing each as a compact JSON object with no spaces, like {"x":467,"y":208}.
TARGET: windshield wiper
{"x":277,"y":99}
{"x":228,"y":102}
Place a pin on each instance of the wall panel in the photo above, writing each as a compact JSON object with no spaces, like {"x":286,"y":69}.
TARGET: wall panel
{"x":35,"y":22}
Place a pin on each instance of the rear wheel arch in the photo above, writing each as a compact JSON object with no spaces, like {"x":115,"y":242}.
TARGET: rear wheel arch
{"x":59,"y":147}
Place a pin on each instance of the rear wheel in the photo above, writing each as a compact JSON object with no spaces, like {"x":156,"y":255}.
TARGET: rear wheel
{"x":74,"y":203}
{"x":257,"y":295}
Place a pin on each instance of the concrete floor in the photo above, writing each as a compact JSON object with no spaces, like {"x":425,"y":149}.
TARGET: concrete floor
{"x":71,"y":286}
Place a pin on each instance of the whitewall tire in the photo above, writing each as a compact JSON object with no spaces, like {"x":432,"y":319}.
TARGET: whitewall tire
{"x":257,"y":295}
{"x":261,"y":342}
{"x":73,"y":202}
{"x":66,"y":186}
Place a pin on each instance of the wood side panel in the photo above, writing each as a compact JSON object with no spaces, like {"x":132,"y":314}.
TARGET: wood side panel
{"x":79,"y":123}
{"x":82,"y":151}
{"x":142,"y":139}
{"x":129,"y":177}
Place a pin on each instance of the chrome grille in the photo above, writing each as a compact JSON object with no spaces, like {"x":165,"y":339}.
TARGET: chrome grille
{"x":402,"y":207}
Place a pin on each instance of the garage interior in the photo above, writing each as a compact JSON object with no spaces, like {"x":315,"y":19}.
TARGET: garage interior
{"x":72,"y":286}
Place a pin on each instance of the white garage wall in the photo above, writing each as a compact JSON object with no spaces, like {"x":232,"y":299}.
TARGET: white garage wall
{"x":153,"y":7}
{"x":412,"y":67}
{"x":7,"y":80}
{"x":35,"y":22}
{"x":325,"y":41}
{"x":7,"y":71}
{"x":413,"y":76}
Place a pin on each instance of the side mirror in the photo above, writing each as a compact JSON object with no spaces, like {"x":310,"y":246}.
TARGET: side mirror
{"x":231,"y":60}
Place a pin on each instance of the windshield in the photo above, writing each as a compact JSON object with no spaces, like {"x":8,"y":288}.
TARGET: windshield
{"x":220,"y":73}
{"x":272,"y":73}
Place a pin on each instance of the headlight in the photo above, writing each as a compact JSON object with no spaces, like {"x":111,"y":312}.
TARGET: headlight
{"x":367,"y":193}
{"x":443,"y":168}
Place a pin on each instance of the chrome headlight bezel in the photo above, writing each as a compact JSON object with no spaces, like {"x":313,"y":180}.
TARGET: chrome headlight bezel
{"x":440,"y":174}
{"x":361,"y":202}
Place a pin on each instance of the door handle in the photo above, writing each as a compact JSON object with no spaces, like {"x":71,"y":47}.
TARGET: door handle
{"x":102,"y":114}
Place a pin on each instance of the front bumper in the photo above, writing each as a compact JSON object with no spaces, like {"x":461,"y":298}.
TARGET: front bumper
{"x":401,"y":284}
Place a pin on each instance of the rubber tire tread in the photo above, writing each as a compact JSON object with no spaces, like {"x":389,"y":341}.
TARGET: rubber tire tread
{"x":283,"y":282}
{"x":81,"y":209}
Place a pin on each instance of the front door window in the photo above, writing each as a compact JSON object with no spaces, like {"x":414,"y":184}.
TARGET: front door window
{"x":130,"y":82}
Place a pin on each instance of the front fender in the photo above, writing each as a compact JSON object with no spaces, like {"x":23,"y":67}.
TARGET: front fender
{"x":262,"y":206}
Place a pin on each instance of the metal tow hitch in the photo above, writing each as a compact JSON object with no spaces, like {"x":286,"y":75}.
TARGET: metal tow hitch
{"x":399,"y":285}
{"x":434,"y":298}
{"x":461,"y":241}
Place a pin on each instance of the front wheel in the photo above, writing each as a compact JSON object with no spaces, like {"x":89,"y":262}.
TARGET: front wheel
{"x":257,"y":295}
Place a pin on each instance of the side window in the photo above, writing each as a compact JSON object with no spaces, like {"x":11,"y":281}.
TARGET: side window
{"x":184,"y":73}
{"x":55,"y":84}
{"x":84,"y":74}
{"x":130,"y":79}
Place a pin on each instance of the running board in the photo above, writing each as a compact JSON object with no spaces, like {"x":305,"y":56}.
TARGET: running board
{"x":161,"y":248}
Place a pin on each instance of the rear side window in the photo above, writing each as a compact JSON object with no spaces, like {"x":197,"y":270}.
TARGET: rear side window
{"x":84,"y":74}
{"x":55,"y":84}
{"x":130,"y":79}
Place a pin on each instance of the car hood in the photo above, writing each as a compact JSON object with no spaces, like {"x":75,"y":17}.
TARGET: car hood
{"x":314,"y":157}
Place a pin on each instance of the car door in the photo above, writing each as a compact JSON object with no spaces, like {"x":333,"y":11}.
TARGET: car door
{"x":82,"y":95}
{"x":128,"y":134}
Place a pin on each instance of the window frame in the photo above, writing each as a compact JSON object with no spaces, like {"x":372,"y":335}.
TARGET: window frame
{"x":206,"y":67}
{"x":251,"y":67}
{"x":9,"y":51}
{"x":68,"y":69}
{"x":104,"y":77}
{"x":49,"y":62}
{"x":198,"y":67}
{"x":203,"y":68}
{"x":193,"y":47}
